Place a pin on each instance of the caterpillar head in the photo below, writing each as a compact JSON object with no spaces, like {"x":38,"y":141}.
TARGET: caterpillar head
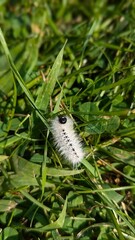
{"x":62,"y":119}
{"x":65,"y":121}
{"x":62,"y":122}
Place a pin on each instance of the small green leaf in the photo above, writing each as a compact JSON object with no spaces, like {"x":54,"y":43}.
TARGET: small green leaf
{"x":61,"y":172}
{"x":7,"y":205}
{"x":96,"y":127}
{"x":88,"y":109}
{"x":74,"y":199}
{"x":122,"y":155}
{"x":9,"y":141}
{"x":113,"y":124}
{"x":3,"y":158}
{"x":118,"y":99}
{"x":9,"y":233}
{"x":113,"y":195}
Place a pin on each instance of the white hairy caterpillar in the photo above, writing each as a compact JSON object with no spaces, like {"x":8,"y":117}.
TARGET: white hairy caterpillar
{"x":66,"y":139}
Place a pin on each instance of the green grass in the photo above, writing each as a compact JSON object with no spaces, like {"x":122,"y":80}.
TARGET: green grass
{"x":75,"y":57}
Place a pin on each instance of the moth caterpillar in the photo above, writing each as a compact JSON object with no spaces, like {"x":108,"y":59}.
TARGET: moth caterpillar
{"x":66,"y":139}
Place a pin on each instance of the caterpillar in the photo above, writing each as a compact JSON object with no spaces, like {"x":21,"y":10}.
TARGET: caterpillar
{"x":66,"y":140}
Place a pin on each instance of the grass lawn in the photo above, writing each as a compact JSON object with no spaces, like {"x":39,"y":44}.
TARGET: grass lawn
{"x":75,"y":58}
